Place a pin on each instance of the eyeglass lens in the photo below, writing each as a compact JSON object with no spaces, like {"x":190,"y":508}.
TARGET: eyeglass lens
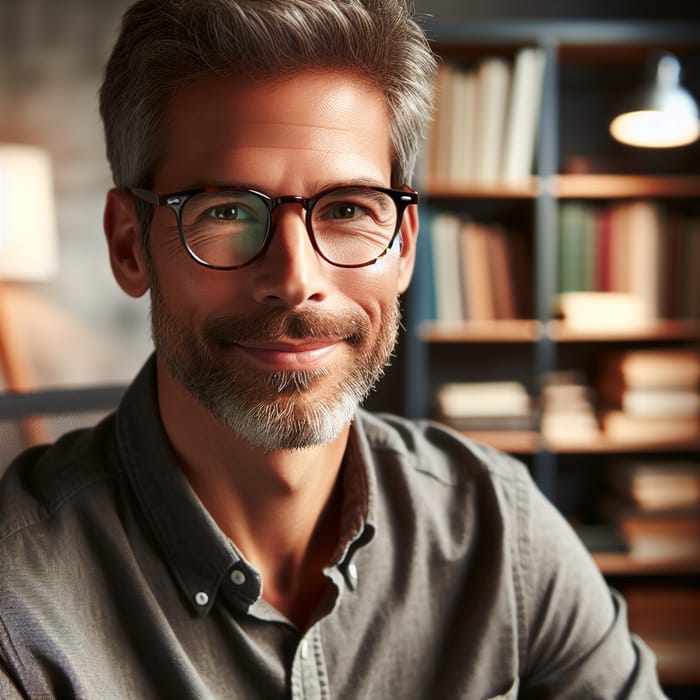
{"x":227,"y":228}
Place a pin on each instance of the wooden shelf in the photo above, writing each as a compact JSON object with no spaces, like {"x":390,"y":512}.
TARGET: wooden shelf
{"x":503,"y":331}
{"x":623,"y":564}
{"x":575,"y":186}
{"x":662,"y":329}
{"x":622,"y":186}
{"x":526,"y":190}
{"x":527,"y":331}
{"x":513,"y":441}
{"x":604,"y":445}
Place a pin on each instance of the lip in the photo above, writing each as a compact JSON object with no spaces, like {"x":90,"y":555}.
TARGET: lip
{"x":288,"y":356}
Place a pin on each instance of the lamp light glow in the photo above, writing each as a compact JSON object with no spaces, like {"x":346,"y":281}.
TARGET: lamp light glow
{"x":28,"y":245}
{"x":662,"y":115}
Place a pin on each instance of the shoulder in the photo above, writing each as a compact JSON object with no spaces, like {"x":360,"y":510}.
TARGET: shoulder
{"x":46,"y":479}
{"x":437,"y":451}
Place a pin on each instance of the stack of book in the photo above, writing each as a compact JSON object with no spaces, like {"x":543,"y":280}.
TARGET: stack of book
{"x":669,"y":486}
{"x":486,"y":122}
{"x":650,"y":396}
{"x":568,"y":415}
{"x":480,"y":271}
{"x":477,"y":406}
{"x":656,"y":506}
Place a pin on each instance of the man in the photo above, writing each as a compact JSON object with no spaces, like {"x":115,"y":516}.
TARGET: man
{"x":239,"y":528}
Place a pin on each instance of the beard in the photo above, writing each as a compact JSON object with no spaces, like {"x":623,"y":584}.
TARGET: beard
{"x":275,"y":410}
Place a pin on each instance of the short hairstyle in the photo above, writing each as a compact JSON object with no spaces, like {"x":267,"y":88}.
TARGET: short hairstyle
{"x":165,"y":43}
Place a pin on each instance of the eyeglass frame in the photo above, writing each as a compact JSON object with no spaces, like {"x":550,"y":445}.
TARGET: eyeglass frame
{"x":176,"y":201}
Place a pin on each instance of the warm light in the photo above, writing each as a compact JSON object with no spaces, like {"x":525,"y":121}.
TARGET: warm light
{"x":662,"y":115}
{"x":653,"y":129}
{"x":28,"y":247}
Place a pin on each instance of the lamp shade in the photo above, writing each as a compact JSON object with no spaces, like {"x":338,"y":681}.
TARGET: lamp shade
{"x":28,"y":245}
{"x":661,"y":115}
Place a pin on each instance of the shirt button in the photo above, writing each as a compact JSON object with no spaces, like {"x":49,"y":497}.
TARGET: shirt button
{"x":352,"y":572}
{"x":304,"y":650}
{"x":201,"y":599}
{"x":237,"y":577}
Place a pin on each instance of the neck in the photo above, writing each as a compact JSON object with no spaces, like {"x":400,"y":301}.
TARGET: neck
{"x":282,"y":508}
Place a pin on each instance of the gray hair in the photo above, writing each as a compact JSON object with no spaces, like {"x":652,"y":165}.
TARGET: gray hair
{"x":165,"y":43}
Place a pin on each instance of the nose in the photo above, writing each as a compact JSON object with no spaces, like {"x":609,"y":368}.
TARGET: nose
{"x":290,"y":272}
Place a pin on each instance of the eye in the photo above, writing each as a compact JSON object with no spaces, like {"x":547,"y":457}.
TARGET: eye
{"x":344,"y":211}
{"x":228,"y":212}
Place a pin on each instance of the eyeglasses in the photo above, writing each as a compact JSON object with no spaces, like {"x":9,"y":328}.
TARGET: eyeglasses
{"x":226,"y":228}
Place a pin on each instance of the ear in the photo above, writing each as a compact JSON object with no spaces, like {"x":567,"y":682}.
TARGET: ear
{"x":124,"y":240}
{"x":409,"y":234}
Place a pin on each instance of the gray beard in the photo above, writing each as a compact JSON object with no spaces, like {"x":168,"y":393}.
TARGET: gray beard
{"x":284,"y":410}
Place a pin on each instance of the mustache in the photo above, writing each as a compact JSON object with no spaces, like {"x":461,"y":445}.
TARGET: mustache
{"x":277,"y":324}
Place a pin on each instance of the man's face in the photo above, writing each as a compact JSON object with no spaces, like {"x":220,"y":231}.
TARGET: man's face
{"x":282,"y":350}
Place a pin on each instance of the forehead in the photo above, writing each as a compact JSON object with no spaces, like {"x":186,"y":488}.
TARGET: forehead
{"x":315,"y":118}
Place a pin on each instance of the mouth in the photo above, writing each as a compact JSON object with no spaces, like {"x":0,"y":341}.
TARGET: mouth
{"x":292,"y":355}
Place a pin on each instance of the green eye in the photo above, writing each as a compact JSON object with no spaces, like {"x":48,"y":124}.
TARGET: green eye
{"x":227,"y":212}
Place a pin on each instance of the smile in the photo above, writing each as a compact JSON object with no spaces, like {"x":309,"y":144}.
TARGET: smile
{"x":290,"y":356}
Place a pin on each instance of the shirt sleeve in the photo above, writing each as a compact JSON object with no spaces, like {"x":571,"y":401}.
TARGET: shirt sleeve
{"x":578,"y":644}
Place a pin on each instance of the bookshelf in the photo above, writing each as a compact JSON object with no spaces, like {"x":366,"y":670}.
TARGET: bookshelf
{"x":587,"y":65}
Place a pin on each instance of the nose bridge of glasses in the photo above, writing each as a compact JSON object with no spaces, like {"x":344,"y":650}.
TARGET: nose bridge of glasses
{"x":276,"y":202}
{"x":289,"y":199}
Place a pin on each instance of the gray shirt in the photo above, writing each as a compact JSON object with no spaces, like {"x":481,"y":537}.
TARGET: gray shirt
{"x":454,"y":578}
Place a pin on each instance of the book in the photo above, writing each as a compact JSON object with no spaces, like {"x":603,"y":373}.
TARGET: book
{"x":620,"y":427}
{"x":619,"y":248}
{"x":439,"y":138}
{"x":603,"y":250}
{"x":447,"y":273}
{"x":654,"y":402}
{"x":662,"y":536}
{"x":567,"y":412}
{"x":493,"y":79}
{"x":600,"y":311}
{"x":576,"y":232}
{"x":464,"y":400}
{"x":658,"y":485}
{"x":691,"y":258}
{"x":645,"y":252}
{"x":476,"y":272}
{"x":503,"y":273}
{"x":667,"y":368}
{"x":463,"y":128}
{"x":522,"y":121}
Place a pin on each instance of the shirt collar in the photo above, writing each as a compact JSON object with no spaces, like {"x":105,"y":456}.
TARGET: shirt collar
{"x":199,"y":555}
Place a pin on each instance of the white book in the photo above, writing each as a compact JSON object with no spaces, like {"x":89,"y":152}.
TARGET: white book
{"x":645,"y":234}
{"x":447,"y":274}
{"x":492,"y":99}
{"x":463,"y":128}
{"x":462,"y":399}
{"x":661,"y":403}
{"x":522,"y":121}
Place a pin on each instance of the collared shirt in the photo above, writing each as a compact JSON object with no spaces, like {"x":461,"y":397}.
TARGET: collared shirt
{"x":454,"y":578}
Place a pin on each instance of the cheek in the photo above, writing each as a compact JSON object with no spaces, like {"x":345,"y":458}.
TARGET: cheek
{"x":374,"y":288}
{"x":190,"y":290}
